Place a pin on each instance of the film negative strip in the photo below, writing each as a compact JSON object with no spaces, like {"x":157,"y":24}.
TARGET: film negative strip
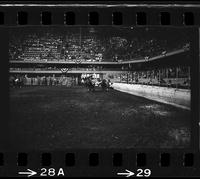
{"x":99,"y":89}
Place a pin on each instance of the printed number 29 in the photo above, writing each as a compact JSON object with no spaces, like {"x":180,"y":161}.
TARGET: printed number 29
{"x":143,"y":173}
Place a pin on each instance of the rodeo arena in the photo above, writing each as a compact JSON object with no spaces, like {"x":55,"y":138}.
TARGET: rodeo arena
{"x":99,"y":87}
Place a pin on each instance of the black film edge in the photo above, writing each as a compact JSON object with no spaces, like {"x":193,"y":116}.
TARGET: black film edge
{"x":99,"y":89}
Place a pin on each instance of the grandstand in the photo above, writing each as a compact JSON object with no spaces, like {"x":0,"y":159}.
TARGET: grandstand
{"x":99,"y":50}
{"x":91,"y":44}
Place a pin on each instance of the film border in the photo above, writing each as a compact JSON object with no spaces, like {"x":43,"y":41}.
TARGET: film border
{"x":105,"y":156}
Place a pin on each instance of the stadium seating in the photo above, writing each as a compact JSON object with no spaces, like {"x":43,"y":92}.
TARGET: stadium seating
{"x":71,"y":46}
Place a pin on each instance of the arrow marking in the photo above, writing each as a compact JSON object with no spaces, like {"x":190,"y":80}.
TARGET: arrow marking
{"x":128,"y":174}
{"x":29,"y":173}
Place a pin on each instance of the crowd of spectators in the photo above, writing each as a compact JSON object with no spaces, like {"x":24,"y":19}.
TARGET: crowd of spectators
{"x":84,"y":45}
{"x":18,"y":81}
{"x":177,"y":77}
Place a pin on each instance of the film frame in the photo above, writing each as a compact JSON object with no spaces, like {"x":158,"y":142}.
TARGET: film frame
{"x":104,"y":162}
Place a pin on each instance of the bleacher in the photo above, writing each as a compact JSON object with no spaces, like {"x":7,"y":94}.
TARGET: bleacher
{"x":55,"y":45}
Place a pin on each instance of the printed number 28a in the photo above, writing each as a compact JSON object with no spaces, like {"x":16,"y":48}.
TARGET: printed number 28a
{"x":51,"y":172}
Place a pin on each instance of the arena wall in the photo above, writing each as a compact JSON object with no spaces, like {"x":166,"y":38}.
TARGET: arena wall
{"x":176,"y":97}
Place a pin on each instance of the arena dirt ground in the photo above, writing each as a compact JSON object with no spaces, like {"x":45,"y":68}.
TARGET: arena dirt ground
{"x":58,"y":118}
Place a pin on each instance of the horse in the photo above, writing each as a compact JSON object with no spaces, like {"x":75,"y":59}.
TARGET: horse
{"x":104,"y":85}
{"x":89,"y":84}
